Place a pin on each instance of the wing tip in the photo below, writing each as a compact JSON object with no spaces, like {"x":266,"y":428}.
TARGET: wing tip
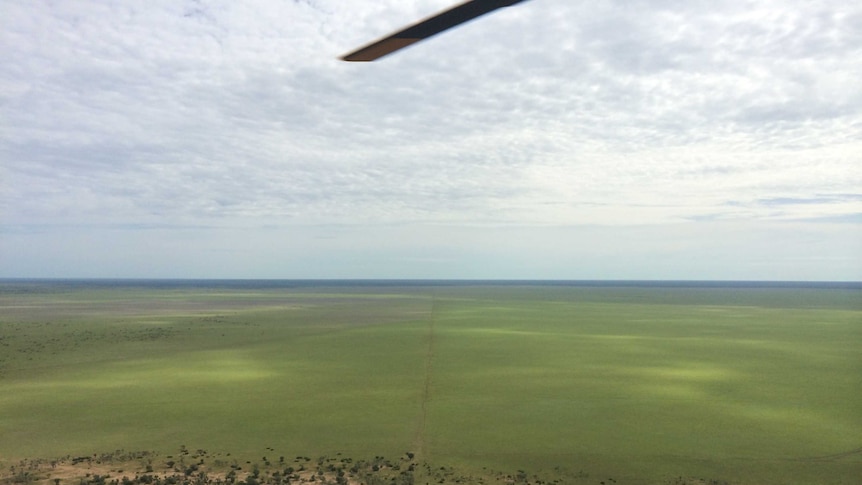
{"x":378,"y":49}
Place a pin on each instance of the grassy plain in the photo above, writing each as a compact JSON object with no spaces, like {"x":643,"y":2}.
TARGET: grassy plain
{"x":642,"y":385}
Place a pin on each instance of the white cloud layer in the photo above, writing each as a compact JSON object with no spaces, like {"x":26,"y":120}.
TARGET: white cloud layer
{"x":187,"y":124}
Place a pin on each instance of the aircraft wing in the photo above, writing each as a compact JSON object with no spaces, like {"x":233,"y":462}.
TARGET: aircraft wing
{"x":423,"y":29}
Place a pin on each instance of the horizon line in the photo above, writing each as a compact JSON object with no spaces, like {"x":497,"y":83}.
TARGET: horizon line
{"x":847,"y":284}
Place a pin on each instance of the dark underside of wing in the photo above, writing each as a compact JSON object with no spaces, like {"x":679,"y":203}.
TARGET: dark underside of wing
{"x":431,"y":26}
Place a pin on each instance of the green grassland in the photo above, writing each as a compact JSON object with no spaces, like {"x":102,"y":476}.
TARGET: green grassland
{"x":747,"y":386}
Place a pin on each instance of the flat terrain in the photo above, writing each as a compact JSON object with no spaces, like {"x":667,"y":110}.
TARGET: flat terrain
{"x":585,"y":384}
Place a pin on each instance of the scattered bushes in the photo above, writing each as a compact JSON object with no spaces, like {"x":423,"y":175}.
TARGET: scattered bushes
{"x":107,"y":469}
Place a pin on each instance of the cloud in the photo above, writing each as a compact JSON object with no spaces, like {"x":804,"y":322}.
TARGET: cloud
{"x":548,"y":114}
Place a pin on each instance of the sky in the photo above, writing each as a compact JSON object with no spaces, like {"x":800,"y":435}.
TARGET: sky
{"x":555,"y":139}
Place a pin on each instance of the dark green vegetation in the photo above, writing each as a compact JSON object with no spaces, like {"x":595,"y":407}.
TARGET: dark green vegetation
{"x":201,"y":468}
{"x":580,"y":384}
